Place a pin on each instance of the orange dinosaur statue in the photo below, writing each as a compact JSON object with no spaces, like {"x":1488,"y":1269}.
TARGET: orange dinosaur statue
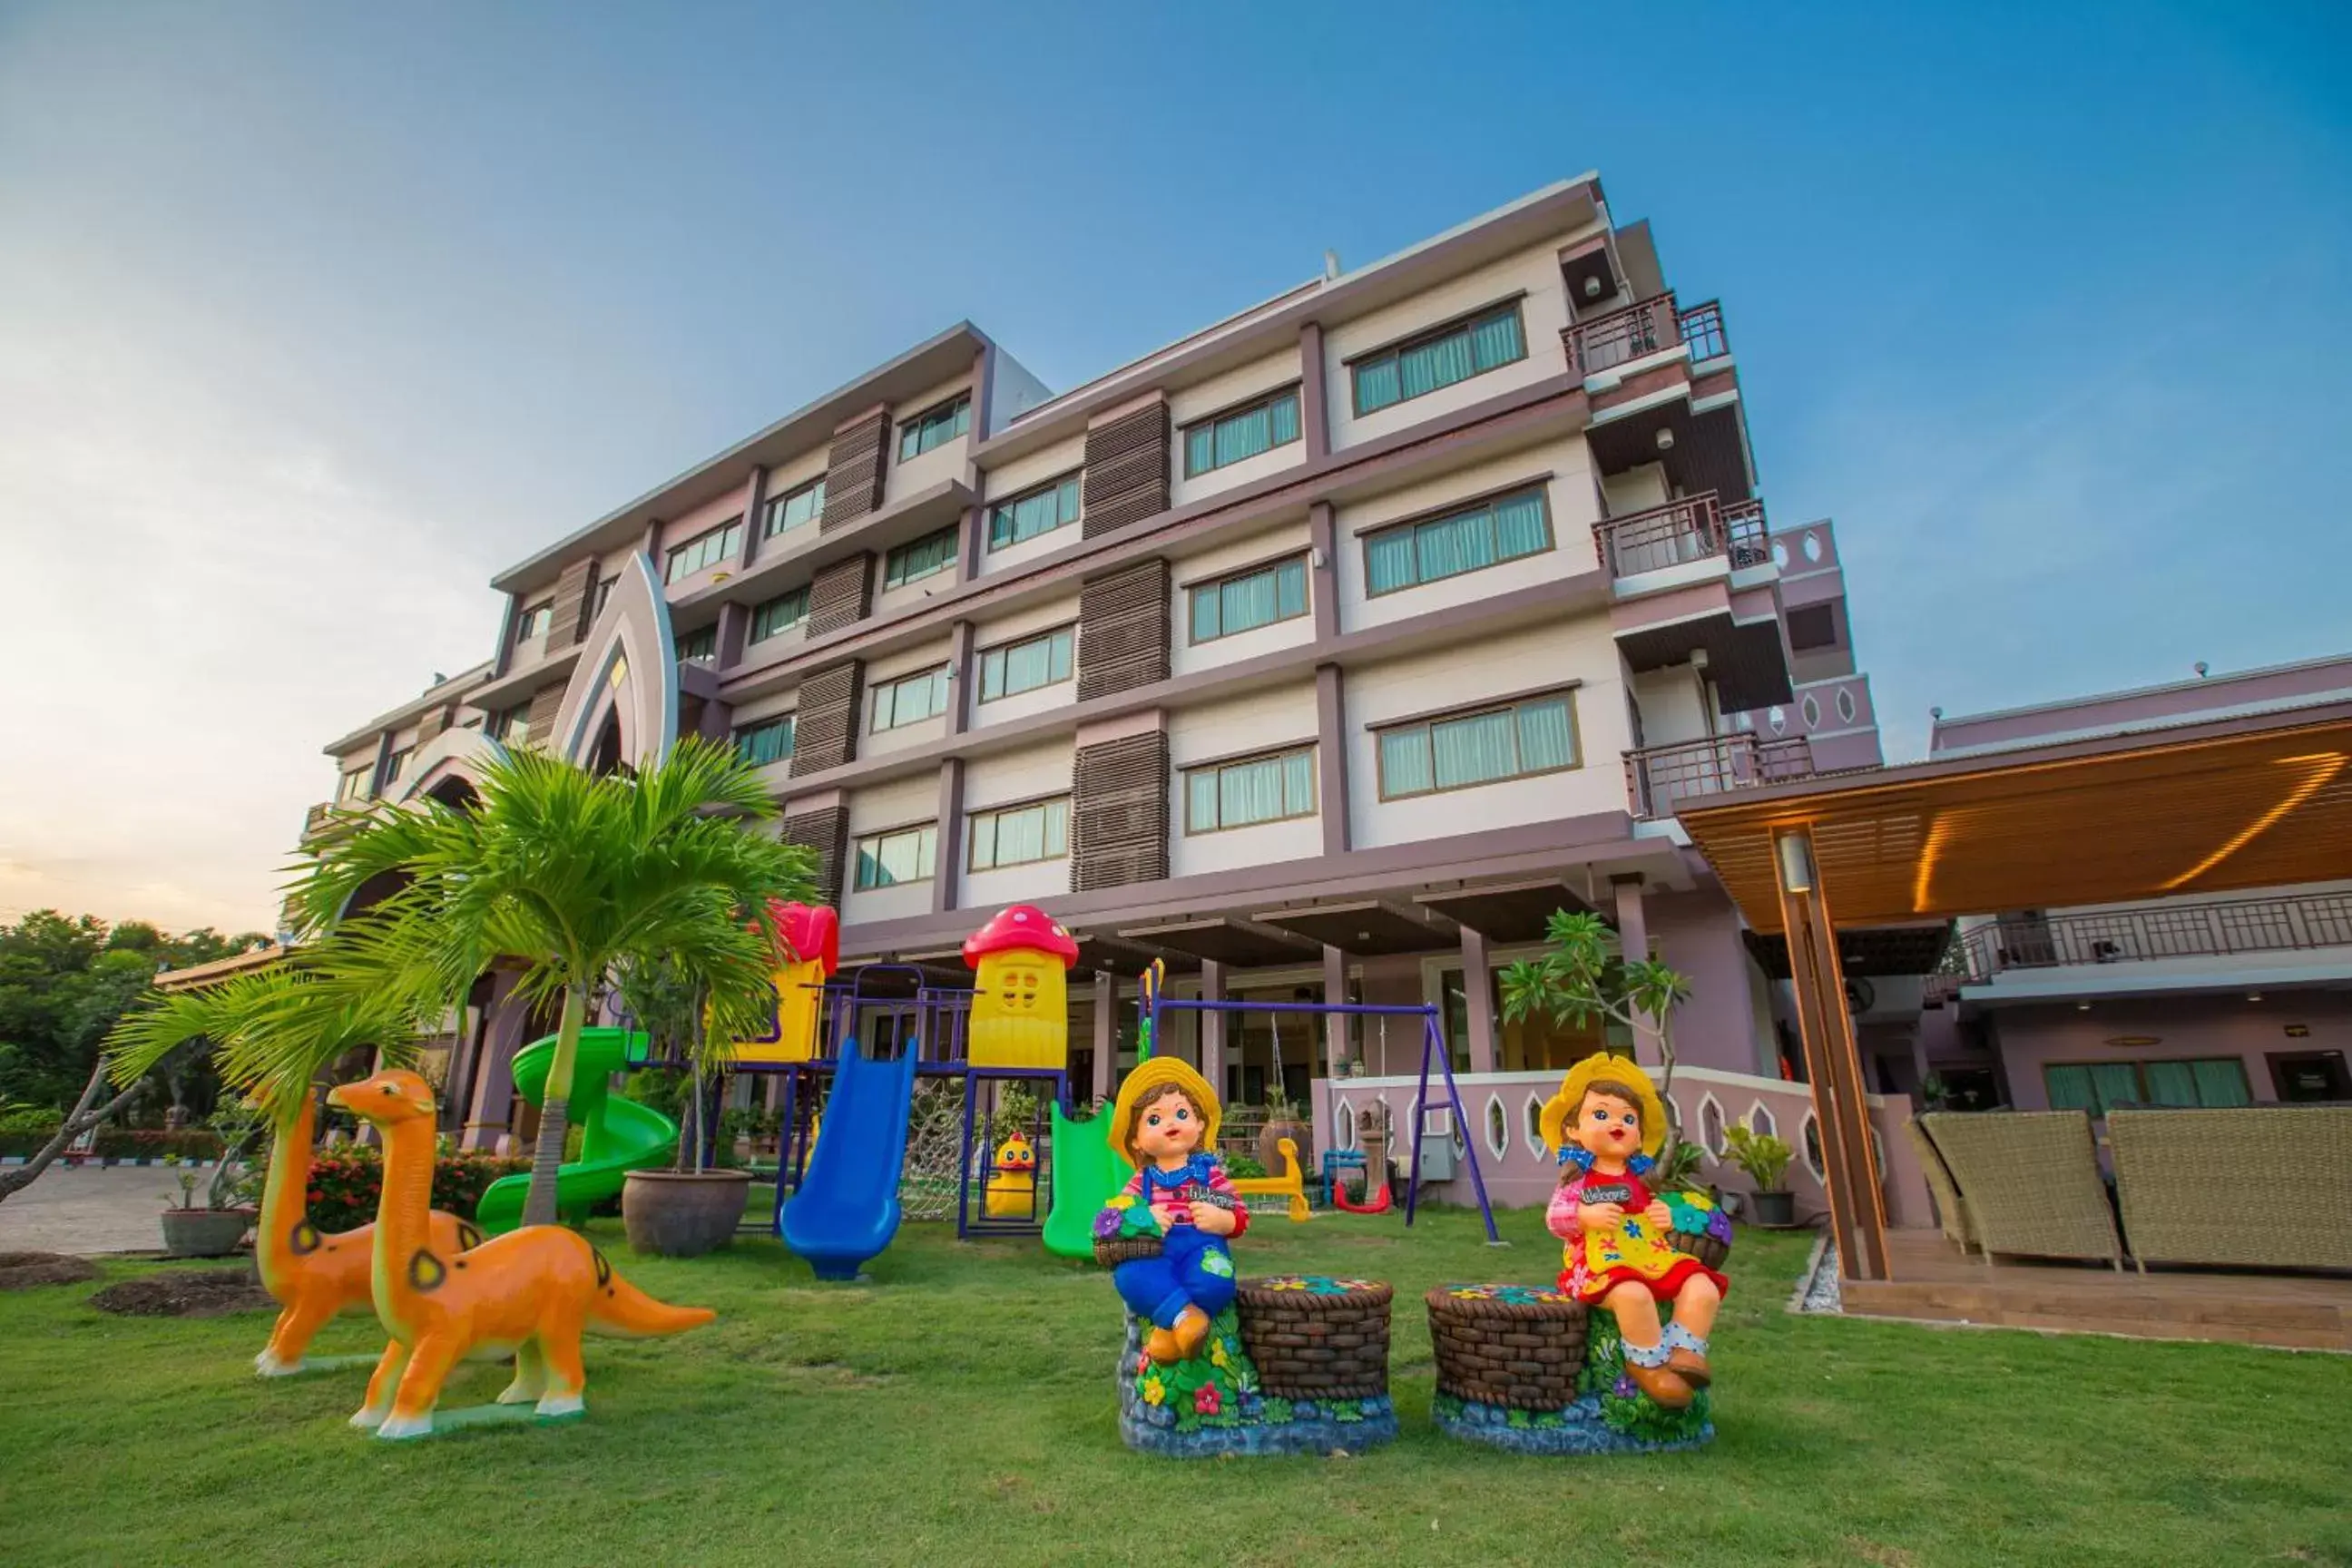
{"x":316,"y":1276}
{"x":530,"y":1293}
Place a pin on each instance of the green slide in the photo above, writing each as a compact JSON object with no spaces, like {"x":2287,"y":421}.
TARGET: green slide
{"x":618,"y":1135}
{"x":1086,"y":1173}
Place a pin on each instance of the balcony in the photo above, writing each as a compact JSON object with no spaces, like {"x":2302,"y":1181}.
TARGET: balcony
{"x":1695,"y":528}
{"x":1637,"y":332}
{"x":2220,"y":929}
{"x":1659,"y":778}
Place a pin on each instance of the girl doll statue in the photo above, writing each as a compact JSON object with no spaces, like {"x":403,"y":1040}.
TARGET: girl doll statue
{"x":1606,"y":1125}
{"x":1165,"y":1121}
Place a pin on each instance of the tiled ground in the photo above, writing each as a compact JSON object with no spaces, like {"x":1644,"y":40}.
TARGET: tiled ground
{"x":92,"y":1209}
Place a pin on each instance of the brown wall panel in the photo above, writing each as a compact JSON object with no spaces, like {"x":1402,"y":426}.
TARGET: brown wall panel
{"x":1120,"y":813}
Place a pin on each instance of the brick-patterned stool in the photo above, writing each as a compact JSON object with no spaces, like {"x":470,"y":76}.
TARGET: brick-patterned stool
{"x":1316,"y":1337}
{"x":1527,"y":1368}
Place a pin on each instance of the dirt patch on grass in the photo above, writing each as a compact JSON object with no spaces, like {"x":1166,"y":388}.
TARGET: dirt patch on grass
{"x":187,"y":1293}
{"x":19,"y":1269}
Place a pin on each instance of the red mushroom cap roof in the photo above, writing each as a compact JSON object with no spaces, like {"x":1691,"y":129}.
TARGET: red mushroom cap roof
{"x":812,"y":931}
{"x":1022,"y":926}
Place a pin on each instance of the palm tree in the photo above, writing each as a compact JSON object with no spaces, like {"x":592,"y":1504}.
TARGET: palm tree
{"x":568,"y":874}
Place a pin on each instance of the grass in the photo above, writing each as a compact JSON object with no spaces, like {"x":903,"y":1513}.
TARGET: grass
{"x":959,"y":1408}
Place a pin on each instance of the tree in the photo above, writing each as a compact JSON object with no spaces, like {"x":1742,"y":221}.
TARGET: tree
{"x":1581,"y":979}
{"x":571,"y":874}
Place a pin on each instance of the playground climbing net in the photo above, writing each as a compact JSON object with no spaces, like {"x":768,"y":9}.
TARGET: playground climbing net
{"x":927,"y":1181}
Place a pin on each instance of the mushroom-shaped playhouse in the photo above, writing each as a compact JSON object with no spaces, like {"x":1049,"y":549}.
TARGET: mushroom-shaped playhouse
{"x":1020,"y":1006}
{"x":810,"y":953}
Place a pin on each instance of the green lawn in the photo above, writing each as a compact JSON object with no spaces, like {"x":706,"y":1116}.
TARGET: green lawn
{"x":960,"y":1409}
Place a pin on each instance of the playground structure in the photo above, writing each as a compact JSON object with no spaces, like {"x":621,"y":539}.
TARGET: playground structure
{"x":617,"y":1134}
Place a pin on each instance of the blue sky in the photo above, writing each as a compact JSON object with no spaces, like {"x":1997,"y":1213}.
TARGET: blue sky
{"x":311,"y":317}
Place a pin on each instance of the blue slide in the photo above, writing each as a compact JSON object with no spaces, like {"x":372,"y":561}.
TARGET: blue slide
{"x":847,"y":1206}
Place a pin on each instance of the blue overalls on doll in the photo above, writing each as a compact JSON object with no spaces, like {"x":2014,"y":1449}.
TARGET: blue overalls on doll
{"x":1194,"y":1269}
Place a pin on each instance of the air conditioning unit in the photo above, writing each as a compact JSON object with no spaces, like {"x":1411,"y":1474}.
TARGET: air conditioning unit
{"x":1436,"y":1144}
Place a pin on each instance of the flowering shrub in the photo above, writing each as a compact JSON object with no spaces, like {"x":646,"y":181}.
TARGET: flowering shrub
{"x":143,"y":1143}
{"x":347,"y":1182}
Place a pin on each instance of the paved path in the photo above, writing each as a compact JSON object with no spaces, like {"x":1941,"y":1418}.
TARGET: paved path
{"x":108,"y":1208}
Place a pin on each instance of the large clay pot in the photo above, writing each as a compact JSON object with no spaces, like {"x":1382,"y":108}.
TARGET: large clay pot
{"x":205,"y":1233}
{"x":683,"y":1214}
{"x":1269,"y":1144}
{"x":1773,"y":1211}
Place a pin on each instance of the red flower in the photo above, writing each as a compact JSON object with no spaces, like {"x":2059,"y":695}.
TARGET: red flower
{"x":1206,"y":1401}
{"x":316,"y":1195}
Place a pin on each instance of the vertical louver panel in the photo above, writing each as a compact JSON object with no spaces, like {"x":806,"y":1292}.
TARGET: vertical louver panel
{"x":545,"y":703}
{"x":825,"y":732}
{"x":431,"y":724}
{"x":1119,"y":827}
{"x":842,"y":595}
{"x":826,"y":831}
{"x":1123,"y":622}
{"x":1126,"y":471}
{"x":575,"y":599}
{"x":853,"y":469}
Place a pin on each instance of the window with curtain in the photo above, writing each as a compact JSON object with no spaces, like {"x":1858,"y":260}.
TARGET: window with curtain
{"x":699,"y":645}
{"x":933,"y":426}
{"x":1026,"y":665}
{"x":354,"y":785}
{"x":510,"y":727}
{"x":1455,"y":352}
{"x":2099,"y":1087}
{"x":1020,"y":834}
{"x":1259,"y":789}
{"x":535,"y":620}
{"x":781,"y":614}
{"x":886,"y":859}
{"x":1039,"y":511}
{"x":1239,"y":433}
{"x":791,"y":508}
{"x":705,"y":550}
{"x":395,"y":764}
{"x":1249,"y":600}
{"x":769,"y":741}
{"x":1503,"y":528}
{"x":1534,"y":735}
{"x":910,"y":700}
{"x":920,"y":558}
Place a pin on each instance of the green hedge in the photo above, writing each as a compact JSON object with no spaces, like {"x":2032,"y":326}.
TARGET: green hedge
{"x":119,"y":1143}
{"x":346,"y":1184}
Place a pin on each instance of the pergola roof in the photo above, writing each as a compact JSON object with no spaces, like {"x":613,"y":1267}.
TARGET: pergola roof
{"x":2204,"y":808}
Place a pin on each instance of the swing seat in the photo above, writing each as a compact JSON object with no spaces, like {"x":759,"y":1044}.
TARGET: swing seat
{"x":1291,"y":1184}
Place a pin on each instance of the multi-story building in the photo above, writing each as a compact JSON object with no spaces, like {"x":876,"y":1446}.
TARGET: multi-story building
{"x":2199,"y":999}
{"x":1323,"y":652}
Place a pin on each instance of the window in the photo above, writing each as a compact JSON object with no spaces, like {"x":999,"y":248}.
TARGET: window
{"x":394,"y":763}
{"x":1411,"y":554}
{"x":706,"y":550}
{"x":700,"y":645}
{"x":910,"y":562}
{"x":934,"y":426}
{"x":1811,"y":626}
{"x":1249,"y":600}
{"x":1260,"y":789}
{"x":603,"y":592}
{"x":781,"y":614}
{"x":791,"y":508}
{"x":354,"y":785}
{"x":1534,"y":736}
{"x":1020,"y":834}
{"x":1457,"y":352}
{"x":886,"y":859}
{"x":769,"y":741}
{"x":2099,"y":1087}
{"x":510,"y":727}
{"x":911,"y":700}
{"x":1240,"y":433}
{"x":1039,"y":511}
{"x":536,"y":619}
{"x":1026,"y":665}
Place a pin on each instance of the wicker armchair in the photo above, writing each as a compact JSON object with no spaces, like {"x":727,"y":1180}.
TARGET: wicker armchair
{"x":2262,"y":1187}
{"x":1949,"y":1209}
{"x":2030,"y":1182}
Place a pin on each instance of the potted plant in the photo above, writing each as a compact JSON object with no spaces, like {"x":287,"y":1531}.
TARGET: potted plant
{"x":1765,"y":1159}
{"x":215,"y":1230}
{"x":1283,"y":1119}
{"x":692,"y":1208}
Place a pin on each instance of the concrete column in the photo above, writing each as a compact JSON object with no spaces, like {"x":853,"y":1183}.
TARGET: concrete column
{"x":1335,"y":993}
{"x":1105,"y":1033}
{"x":493,"y":1105}
{"x":949,"y":847}
{"x":1331,"y":758}
{"x":1633,"y":941}
{"x":734,"y":626}
{"x":1314,"y":398}
{"x":755,"y":496}
{"x":963,"y":696}
{"x":971,"y":539}
{"x":502,"y":661}
{"x":650,"y":547}
{"x":1478,"y":991}
{"x":1213,"y":1027}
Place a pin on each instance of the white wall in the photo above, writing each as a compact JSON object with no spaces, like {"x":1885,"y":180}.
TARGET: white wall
{"x":1051,"y":462}
{"x":767,"y":707}
{"x":947,"y":460}
{"x":1505,"y":665}
{"x":1264,"y":719}
{"x":1637,"y":490}
{"x":1673,"y":704}
{"x":1223,"y":392}
{"x":1011,"y":391}
{"x":882,"y":672}
{"x":1569,"y":497}
{"x":1543,"y":312}
{"x":1258,"y":549}
{"x":901,"y":802}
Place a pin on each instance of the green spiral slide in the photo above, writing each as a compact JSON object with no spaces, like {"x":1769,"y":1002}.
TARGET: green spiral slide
{"x":617,"y":1135}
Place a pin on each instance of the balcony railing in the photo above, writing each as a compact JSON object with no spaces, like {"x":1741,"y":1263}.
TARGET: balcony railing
{"x":1644,"y":329}
{"x":1695,"y":528}
{"x":1659,"y":778}
{"x":2164,"y":930}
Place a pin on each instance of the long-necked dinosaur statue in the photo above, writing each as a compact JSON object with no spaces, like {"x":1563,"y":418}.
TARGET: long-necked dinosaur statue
{"x":530,"y":1293}
{"x":316,"y":1276}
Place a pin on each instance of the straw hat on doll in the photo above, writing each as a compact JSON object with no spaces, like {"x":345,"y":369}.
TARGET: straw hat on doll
{"x":1151,"y":1075}
{"x":1560,"y":1110}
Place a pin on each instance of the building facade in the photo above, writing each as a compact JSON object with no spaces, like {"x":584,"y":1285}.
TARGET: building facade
{"x":1323,"y":653}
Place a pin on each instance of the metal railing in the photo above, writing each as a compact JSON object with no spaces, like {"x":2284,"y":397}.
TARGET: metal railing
{"x":2179,"y":930}
{"x":1693,"y":528}
{"x":1659,"y":778}
{"x":1644,"y":328}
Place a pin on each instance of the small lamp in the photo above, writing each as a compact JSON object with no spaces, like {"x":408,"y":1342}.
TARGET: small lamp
{"x":1796,"y":862}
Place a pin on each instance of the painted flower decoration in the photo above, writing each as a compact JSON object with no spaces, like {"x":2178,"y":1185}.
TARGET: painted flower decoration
{"x":1632,"y":1227}
{"x":1217,"y":1357}
{"x":1719,"y":1226}
{"x":1142,"y":1364}
{"x":1154,"y":1391}
{"x":1624,"y":1388}
{"x":1289,"y":1282}
{"x":1107,"y":1222}
{"x":1206,"y":1401}
{"x":1121,"y":1201}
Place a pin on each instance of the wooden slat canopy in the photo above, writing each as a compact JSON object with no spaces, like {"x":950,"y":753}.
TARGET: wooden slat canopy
{"x":2250,"y":802}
